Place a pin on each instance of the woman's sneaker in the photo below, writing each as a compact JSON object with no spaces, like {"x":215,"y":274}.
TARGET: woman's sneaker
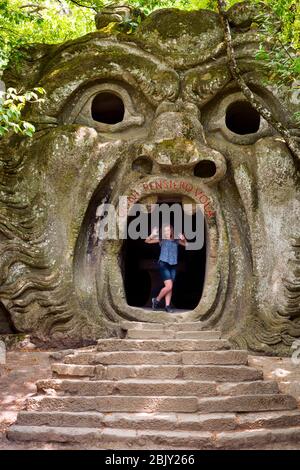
{"x":169,"y":309}
{"x":155,"y":303}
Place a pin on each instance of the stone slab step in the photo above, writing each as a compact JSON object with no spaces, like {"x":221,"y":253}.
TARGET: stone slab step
{"x":149,"y":404}
{"x":124,"y":438}
{"x":247,"y":403}
{"x":136,"y":387}
{"x":227,"y":373}
{"x":171,"y":326}
{"x":162,"y":421}
{"x":171,"y":345}
{"x":151,"y":357}
{"x":259,"y":439}
{"x":73,"y":370}
{"x":153,"y":439}
{"x":248,"y":388}
{"x":145,"y":404}
{"x":131,"y":387}
{"x":171,"y":334}
{"x":269,"y":419}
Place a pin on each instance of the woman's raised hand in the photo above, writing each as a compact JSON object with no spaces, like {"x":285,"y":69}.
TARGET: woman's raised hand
{"x":182,"y":240}
{"x":154,"y":232}
{"x":153,"y":237}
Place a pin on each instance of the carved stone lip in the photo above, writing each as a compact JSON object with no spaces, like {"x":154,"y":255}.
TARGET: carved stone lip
{"x":111,"y":292}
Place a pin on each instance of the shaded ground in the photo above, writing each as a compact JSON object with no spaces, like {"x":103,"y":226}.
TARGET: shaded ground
{"x":24,"y":368}
{"x":17,"y":383}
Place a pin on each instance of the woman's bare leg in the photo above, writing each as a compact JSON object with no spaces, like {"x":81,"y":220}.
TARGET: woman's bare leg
{"x":168,"y":298}
{"x":165,"y":290}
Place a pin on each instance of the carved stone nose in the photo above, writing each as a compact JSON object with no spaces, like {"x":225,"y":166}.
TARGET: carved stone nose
{"x":177,"y":121}
{"x":177,"y":141}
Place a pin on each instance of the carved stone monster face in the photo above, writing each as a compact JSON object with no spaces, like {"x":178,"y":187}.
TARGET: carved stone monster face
{"x":152,"y":115}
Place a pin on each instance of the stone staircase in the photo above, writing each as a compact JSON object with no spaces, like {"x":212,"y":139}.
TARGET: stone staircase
{"x":161,"y":387}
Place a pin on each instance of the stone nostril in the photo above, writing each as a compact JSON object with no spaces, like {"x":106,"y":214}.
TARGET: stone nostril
{"x":205,"y":169}
{"x":143,"y":165}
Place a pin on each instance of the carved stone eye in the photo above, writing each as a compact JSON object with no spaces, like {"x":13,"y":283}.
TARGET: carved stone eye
{"x":108,"y":108}
{"x":241,"y":118}
{"x":236,"y":120}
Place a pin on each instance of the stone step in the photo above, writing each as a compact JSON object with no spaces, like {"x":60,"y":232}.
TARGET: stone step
{"x":184,"y":326}
{"x":151,"y":357}
{"x":149,"y":404}
{"x":111,"y":438}
{"x":145,"y":404}
{"x":161,"y":421}
{"x":248,"y":388}
{"x":226,"y":373}
{"x":269,"y":419}
{"x":247,"y":403}
{"x":73,"y":370}
{"x":171,"y":345}
{"x":153,"y":439}
{"x":136,"y":387}
{"x":133,"y":333}
{"x":268,"y":439}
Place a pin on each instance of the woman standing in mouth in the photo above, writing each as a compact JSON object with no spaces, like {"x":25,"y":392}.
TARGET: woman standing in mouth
{"x":167,"y":262}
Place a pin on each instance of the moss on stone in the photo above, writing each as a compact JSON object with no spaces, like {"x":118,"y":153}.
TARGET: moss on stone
{"x":173,"y":23}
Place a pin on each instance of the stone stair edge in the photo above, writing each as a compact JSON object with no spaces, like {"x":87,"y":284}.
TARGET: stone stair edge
{"x":194,"y":439}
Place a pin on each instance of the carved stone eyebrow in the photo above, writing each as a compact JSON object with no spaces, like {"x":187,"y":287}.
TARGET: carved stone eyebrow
{"x":201,"y":84}
{"x":104,"y":60}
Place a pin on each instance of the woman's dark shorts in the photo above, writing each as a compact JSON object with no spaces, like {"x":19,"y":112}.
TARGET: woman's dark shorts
{"x":167,"y":271}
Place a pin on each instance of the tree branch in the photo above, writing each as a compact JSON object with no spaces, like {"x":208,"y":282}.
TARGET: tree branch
{"x":83,"y":6}
{"x":235,"y":71}
{"x":33,"y":8}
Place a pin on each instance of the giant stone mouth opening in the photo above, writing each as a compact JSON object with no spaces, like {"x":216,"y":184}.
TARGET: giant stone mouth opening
{"x":140,"y":272}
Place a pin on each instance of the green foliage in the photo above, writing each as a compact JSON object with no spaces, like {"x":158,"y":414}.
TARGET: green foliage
{"x":284,"y":34}
{"x":44,"y":21}
{"x":11,"y":105}
{"x":281,"y":54}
